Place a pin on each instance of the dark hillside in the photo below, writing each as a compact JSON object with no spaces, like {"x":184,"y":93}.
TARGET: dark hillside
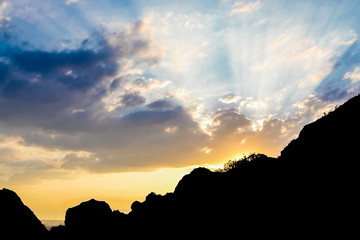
{"x":323,"y":167}
{"x":17,"y":220}
{"x":330,"y":139}
{"x":309,"y":189}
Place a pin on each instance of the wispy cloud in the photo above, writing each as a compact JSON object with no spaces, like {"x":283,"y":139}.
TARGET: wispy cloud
{"x":354,"y":76}
{"x":230,"y":99}
{"x":3,"y":15}
{"x":243,"y":7}
{"x":68,"y":2}
{"x":343,"y":76}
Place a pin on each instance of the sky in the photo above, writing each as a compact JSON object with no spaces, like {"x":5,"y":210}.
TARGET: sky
{"x":115,"y":99}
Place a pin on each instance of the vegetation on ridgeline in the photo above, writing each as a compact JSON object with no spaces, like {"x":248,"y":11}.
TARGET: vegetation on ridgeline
{"x":243,"y":162}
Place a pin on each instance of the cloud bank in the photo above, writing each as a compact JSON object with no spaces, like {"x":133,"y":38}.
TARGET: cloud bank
{"x":146,"y":93}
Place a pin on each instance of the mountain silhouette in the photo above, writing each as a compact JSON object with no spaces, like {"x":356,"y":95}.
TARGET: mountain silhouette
{"x":310,"y":190}
{"x":322,"y":165}
{"x":17,"y":220}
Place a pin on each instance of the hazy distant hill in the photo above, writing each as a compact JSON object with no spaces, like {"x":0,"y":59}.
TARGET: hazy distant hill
{"x":310,"y":191}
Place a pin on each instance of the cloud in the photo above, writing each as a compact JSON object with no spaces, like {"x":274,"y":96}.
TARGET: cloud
{"x":32,"y":172}
{"x":27,"y":164}
{"x":233,"y":131}
{"x":355,"y":37}
{"x":3,"y":16}
{"x":233,"y":134}
{"x":143,"y":85}
{"x":76,"y":160}
{"x":336,"y":85}
{"x":354,"y":76}
{"x":139,"y":140}
{"x":75,"y":69}
{"x":68,"y":2}
{"x":230,"y":99}
{"x":313,"y":107}
{"x":161,"y":135}
{"x":42,"y":89}
{"x":311,"y":80}
{"x":132,"y":99}
{"x":240,"y":7}
{"x":155,"y":138}
{"x":229,"y":122}
{"x":137,"y":40}
{"x":161,"y":105}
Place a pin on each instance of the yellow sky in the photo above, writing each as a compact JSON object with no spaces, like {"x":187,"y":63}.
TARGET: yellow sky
{"x":49,"y":190}
{"x":50,"y":198}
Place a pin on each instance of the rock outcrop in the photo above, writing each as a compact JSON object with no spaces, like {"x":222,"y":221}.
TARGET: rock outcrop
{"x":17,"y":220}
{"x":91,"y":219}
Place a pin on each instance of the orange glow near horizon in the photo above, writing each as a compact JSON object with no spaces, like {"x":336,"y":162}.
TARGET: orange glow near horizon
{"x":49,"y":199}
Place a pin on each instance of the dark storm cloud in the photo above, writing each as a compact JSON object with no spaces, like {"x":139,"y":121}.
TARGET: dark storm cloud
{"x":132,"y":99}
{"x":40,"y":88}
{"x":161,"y":105}
{"x":75,"y":69}
{"x":115,"y":84}
{"x":116,"y":134}
{"x":44,"y":62}
{"x":4,"y":69}
{"x":61,"y":89}
{"x":177,"y":115}
{"x":334,"y":86}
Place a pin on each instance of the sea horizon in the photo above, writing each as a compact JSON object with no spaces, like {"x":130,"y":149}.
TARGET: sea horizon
{"x":49,"y":223}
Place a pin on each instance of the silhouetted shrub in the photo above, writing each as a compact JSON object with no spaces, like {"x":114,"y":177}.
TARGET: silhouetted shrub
{"x":233,"y":164}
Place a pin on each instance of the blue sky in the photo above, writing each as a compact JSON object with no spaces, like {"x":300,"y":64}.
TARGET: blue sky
{"x":102,"y":87}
